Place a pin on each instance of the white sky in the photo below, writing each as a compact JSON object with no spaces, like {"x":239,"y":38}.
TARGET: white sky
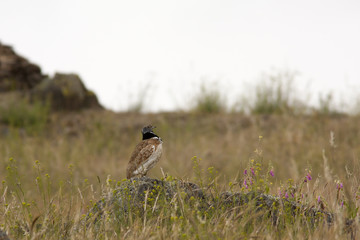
{"x":118,"y":47}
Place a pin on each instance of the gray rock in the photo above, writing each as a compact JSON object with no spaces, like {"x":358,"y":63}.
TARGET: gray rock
{"x":3,"y":235}
{"x":65,"y":92}
{"x":131,"y":194}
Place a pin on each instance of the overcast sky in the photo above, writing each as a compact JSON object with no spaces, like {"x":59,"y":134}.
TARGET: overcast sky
{"x":120,"y":47}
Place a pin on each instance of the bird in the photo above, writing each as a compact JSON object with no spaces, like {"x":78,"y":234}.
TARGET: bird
{"x":146,"y":154}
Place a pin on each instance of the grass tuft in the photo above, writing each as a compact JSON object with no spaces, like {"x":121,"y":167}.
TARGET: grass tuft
{"x":209,"y":100}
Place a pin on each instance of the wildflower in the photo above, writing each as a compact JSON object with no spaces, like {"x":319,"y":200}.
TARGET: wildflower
{"x":245,"y":184}
{"x":342,"y":203}
{"x":245,"y":171}
{"x":318,"y":199}
{"x":340,"y":186}
{"x":251,"y":182}
{"x":286,"y":195}
{"x":271,"y":173}
{"x":292,"y":195}
{"x":252,"y":171}
{"x":308,"y":177}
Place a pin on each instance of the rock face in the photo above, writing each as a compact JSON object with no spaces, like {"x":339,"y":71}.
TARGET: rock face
{"x":65,"y":92}
{"x":17,"y":73}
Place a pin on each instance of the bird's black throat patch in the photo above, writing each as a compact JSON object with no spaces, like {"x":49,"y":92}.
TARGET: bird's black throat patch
{"x":149,"y":135}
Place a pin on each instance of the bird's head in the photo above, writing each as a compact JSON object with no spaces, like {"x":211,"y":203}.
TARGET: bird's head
{"x":148,"y":129}
{"x":147,"y":132}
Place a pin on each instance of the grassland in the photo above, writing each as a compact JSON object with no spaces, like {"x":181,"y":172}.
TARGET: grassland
{"x":53,"y":176}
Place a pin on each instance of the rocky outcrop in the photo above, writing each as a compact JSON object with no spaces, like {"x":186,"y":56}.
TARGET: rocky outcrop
{"x":25,"y":79}
{"x":65,"y":92}
{"x":129,"y":197}
{"x":16,"y":72}
{"x":131,"y":194}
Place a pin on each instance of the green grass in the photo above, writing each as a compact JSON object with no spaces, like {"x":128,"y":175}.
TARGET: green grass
{"x":22,"y":114}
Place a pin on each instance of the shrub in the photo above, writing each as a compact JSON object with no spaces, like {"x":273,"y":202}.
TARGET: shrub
{"x":209,"y":100}
{"x":275,"y":94}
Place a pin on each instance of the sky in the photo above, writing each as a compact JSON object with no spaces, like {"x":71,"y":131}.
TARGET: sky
{"x":164,"y":50}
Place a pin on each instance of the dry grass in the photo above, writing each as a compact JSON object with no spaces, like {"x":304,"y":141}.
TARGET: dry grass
{"x":78,"y":151}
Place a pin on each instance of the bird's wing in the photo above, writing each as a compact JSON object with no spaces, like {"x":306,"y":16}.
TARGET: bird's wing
{"x":142,"y":152}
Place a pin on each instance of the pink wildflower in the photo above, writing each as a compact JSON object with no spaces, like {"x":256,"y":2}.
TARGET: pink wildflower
{"x":286,"y":195}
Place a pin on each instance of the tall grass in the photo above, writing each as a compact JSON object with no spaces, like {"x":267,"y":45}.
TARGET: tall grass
{"x":274,"y":93}
{"x":22,"y":114}
{"x":47,"y":209}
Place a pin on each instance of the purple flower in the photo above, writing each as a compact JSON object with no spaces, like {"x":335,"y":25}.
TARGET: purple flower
{"x":340,"y":186}
{"x":342,"y":203}
{"x":319,"y":199}
{"x":245,"y":184}
{"x":252,"y":171}
{"x":251,"y":182}
{"x":292,"y":195}
{"x":286,"y":195}
{"x":245,"y":171}
{"x":271,"y":173}
{"x":308,"y":176}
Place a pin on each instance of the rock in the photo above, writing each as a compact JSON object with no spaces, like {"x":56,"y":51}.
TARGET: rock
{"x":3,"y":235}
{"x":131,"y":194}
{"x":65,"y":92}
{"x":271,"y":204}
{"x":16,"y":72}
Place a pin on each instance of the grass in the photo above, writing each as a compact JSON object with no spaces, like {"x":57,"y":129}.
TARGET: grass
{"x":305,"y":159}
{"x":20,"y":113}
{"x":209,"y":100}
{"x":52,"y":180}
